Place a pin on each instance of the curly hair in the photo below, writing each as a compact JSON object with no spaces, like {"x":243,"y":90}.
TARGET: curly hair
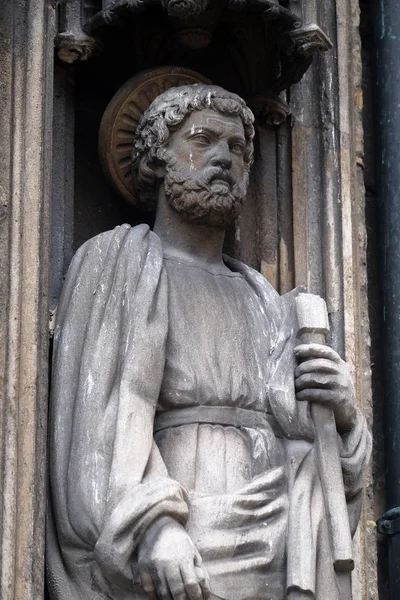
{"x":164,"y":116}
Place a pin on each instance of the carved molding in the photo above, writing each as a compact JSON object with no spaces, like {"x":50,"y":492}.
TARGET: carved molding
{"x":193,"y":19}
{"x":27,"y":30}
{"x":110,"y":10}
{"x":285,"y":48}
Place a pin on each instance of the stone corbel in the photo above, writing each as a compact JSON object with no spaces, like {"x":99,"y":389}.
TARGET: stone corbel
{"x":72,"y":42}
{"x":309,"y":40}
{"x":269,"y":109}
{"x":197,"y":31}
{"x":300,"y":46}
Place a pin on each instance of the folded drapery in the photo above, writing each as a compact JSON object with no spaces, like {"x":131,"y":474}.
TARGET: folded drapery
{"x":108,"y":481}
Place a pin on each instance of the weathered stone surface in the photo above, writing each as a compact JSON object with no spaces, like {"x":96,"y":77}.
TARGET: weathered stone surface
{"x":284,"y":258}
{"x":329,"y":232}
{"x":25,"y":126}
{"x":183,"y":452}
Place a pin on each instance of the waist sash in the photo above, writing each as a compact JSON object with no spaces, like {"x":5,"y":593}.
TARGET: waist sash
{"x":217,"y":415}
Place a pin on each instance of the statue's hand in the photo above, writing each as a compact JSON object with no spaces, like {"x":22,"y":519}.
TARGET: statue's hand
{"x":170,"y":565}
{"x":323,"y":377}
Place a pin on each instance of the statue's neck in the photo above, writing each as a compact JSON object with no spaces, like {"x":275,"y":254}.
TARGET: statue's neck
{"x":186,"y":240}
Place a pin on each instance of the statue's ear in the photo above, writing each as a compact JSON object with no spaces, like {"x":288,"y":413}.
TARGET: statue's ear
{"x":159,"y":170}
{"x":157,"y":163}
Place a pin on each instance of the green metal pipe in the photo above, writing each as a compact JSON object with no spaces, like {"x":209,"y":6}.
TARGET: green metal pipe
{"x":387,"y":38}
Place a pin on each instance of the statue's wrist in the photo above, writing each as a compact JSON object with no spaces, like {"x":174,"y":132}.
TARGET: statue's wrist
{"x":348,"y":422}
{"x":157,"y":526}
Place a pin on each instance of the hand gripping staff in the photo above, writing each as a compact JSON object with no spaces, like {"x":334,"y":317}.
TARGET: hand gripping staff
{"x":313,"y":324}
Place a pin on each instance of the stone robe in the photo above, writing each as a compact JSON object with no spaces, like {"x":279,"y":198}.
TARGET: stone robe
{"x":142,"y":338}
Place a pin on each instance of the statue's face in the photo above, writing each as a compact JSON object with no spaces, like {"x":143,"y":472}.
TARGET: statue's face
{"x":206,"y":176}
{"x":208,"y":139}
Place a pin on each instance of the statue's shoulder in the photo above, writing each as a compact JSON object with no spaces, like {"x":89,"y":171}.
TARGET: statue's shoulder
{"x":279,"y":306}
{"x":116,"y":239}
{"x":98,"y":257}
{"x":109,"y":260}
{"x":253,"y":277}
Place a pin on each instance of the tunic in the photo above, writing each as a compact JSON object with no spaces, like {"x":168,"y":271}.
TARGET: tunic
{"x":137,"y":336}
{"x":218,"y":355}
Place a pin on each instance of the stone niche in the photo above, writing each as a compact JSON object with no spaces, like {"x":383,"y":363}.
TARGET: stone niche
{"x":254,"y":49}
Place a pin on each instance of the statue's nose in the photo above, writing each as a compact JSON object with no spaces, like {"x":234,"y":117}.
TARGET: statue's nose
{"x":221,"y":157}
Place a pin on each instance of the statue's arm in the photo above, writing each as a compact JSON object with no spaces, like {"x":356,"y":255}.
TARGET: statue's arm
{"x":108,"y":482}
{"x":139,"y":492}
{"x":147,"y":514}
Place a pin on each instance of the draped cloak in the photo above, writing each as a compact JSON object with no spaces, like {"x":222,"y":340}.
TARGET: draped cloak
{"x":108,"y":481}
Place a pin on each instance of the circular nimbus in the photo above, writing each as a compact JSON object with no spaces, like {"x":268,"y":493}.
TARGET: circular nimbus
{"x":122,"y":116}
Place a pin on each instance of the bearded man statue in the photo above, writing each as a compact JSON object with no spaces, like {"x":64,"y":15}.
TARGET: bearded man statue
{"x":182,"y":455}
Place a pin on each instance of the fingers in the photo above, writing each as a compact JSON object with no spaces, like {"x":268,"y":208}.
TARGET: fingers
{"x":171,"y":568}
{"x":163,"y":589}
{"x":345,"y":412}
{"x":148,"y":585}
{"x":316,"y":365}
{"x":306,"y":351}
{"x":204,"y":582}
{"x":176,"y":584}
{"x":322,"y":377}
{"x":317,"y":380}
{"x":202,"y":575}
{"x":328,"y":397}
{"x":190,"y":582}
{"x":323,"y":373}
{"x":156,"y":586}
{"x":190,"y":576}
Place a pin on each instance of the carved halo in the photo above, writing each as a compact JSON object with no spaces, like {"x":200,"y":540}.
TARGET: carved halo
{"x":122,"y":115}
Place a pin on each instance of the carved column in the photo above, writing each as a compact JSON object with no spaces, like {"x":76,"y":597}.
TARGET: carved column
{"x":26,"y":51}
{"x":329,"y":219}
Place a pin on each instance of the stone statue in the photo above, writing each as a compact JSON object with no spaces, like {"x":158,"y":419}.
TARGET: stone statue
{"x":182,"y":449}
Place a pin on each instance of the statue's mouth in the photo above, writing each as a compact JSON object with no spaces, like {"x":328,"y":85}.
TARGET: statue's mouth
{"x":222,"y":178}
{"x":221,"y":182}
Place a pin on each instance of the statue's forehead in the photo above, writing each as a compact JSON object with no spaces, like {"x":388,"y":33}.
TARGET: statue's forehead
{"x":216,"y":121}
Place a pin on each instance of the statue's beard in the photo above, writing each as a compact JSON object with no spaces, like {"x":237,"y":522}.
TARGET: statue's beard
{"x":201,"y":198}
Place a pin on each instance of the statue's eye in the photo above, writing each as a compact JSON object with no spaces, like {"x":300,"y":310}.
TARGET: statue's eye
{"x":237,"y":148}
{"x":201,"y":139}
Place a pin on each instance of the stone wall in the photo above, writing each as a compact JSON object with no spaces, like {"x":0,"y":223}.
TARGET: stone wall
{"x":320,"y":242}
